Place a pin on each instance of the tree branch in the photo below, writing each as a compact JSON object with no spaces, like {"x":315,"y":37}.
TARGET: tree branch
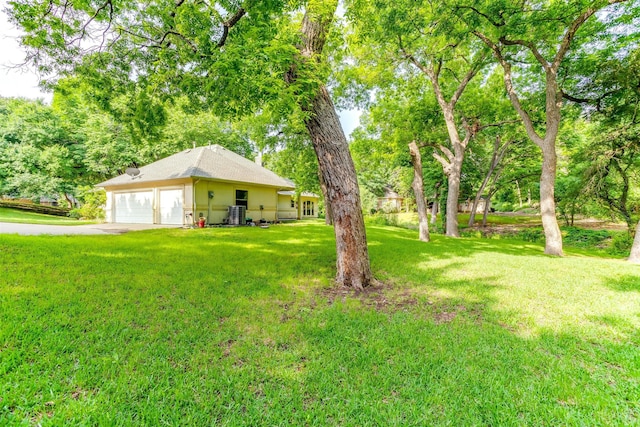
{"x":475,"y":67}
{"x":446,"y":166}
{"x":571,"y":32}
{"x":500,"y":23}
{"x":229,"y":23}
{"x":159,"y":43}
{"x":497,"y":124}
{"x":529,"y":45}
{"x":447,"y":152}
{"x":83,"y":30}
{"x":596,"y":101}
{"x":513,"y":96}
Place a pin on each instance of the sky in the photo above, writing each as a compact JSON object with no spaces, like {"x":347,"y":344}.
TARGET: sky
{"x":23,"y":82}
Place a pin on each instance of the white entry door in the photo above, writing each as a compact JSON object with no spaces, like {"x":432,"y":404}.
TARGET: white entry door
{"x":135,"y":207}
{"x":171,"y":211}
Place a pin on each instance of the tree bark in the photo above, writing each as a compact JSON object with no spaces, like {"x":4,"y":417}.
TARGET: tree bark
{"x":328,"y":219}
{"x":418,"y":191}
{"x":634,"y":257}
{"x":69,"y":201}
{"x":519,"y":194}
{"x":487,"y":204}
{"x":343,"y":194}
{"x":553,"y":237}
{"x":436,"y":205}
{"x":434,"y":210}
{"x":334,"y":159}
{"x":453,"y":181}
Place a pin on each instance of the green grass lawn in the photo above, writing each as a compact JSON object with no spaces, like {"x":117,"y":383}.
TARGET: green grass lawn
{"x":243,"y":326}
{"x":26,"y":217}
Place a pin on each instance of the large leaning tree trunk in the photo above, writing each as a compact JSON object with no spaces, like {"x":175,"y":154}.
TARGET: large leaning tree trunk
{"x":334,"y":159}
{"x":634,"y":257}
{"x":418,"y":190}
{"x":339,"y":175}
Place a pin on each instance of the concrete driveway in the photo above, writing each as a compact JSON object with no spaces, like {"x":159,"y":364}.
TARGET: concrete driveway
{"x":37,"y":229}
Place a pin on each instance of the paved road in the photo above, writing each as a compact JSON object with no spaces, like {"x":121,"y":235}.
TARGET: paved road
{"x":37,"y":229}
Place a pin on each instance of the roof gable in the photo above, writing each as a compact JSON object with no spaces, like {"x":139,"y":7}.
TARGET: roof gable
{"x":214,"y":162}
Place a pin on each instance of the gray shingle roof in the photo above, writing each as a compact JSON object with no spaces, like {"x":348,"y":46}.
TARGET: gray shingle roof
{"x":214,"y":162}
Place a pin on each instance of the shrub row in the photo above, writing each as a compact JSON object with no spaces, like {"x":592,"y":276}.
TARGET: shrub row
{"x":49,"y":210}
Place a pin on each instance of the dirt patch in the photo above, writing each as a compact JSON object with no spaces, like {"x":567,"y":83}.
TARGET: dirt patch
{"x":377,"y":296}
{"x":507,"y":230}
{"x":594,"y":224}
{"x":446,"y":314}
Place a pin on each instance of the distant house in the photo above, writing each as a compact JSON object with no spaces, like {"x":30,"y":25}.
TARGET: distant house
{"x":467,"y":205}
{"x":210,"y":182}
{"x":391,"y":201}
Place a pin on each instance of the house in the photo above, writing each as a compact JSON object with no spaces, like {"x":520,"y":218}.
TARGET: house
{"x":391,"y":201}
{"x":205,"y":182}
{"x":290,"y":207}
{"x":468,"y":204}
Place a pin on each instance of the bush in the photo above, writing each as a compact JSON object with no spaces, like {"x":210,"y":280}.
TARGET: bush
{"x":502,"y":206}
{"x":92,"y":204}
{"x":621,"y":244}
{"x":582,"y":238}
{"x":532,"y":234}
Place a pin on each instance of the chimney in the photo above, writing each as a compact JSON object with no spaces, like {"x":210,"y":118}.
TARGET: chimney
{"x":259,"y":158}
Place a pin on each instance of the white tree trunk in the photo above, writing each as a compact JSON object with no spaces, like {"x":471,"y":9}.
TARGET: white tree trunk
{"x":452,"y":202}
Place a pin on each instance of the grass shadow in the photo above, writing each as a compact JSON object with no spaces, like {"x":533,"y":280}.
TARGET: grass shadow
{"x":625,"y":283}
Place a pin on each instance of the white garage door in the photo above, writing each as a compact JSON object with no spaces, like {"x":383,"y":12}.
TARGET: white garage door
{"x":134,"y":208}
{"x":171,"y":207}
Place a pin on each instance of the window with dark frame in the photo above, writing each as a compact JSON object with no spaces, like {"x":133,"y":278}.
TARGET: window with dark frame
{"x":242,"y":198}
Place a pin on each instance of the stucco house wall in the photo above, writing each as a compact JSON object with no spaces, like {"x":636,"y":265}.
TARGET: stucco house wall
{"x":203,"y":182}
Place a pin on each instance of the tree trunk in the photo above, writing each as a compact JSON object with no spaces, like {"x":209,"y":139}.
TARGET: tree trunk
{"x":334,"y":159}
{"x":634,"y":257}
{"x":69,"y":201}
{"x":434,"y":210}
{"x":553,"y":237}
{"x":418,"y":191}
{"x":436,"y":205}
{"x":328,"y":220}
{"x":339,"y":175}
{"x":474,"y":207}
{"x":487,"y":203}
{"x":519,"y":194}
{"x":476,"y":201}
{"x":452,"y":199}
{"x":452,"y":167}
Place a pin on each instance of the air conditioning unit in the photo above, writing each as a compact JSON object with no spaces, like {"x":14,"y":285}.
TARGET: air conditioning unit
{"x":237,"y":215}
